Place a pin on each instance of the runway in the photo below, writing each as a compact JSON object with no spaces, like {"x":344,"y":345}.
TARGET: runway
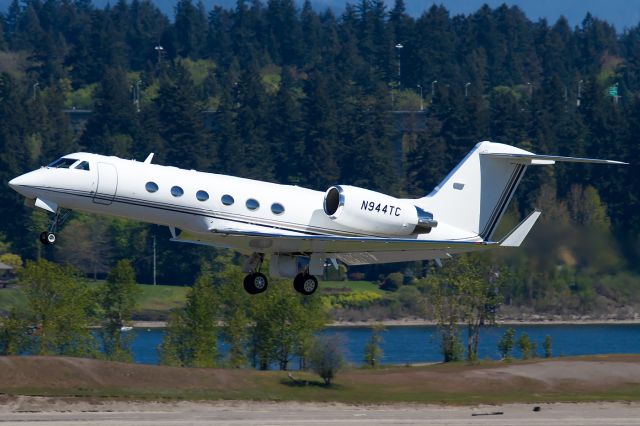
{"x":26,"y":411}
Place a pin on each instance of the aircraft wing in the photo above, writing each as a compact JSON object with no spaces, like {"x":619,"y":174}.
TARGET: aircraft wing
{"x":350,"y":250}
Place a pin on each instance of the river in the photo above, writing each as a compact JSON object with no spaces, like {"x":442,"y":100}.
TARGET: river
{"x":420,"y":344}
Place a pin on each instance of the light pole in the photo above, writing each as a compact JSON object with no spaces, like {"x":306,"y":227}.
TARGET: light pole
{"x":160,"y":51}
{"x":35,"y":90}
{"x":421,"y":98}
{"x":399,"y":47}
{"x":433,"y":89}
{"x":136,"y":95}
{"x":466,"y":88}
{"x":154,"y":257}
{"x":530,"y":88}
{"x":579,"y":92}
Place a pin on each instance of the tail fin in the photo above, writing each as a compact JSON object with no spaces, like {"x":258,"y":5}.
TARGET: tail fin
{"x":477,"y":192}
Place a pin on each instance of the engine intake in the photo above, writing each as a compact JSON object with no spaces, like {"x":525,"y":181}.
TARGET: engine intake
{"x":375,"y":213}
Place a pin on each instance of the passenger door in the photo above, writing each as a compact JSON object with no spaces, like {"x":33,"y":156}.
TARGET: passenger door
{"x":107,"y":184}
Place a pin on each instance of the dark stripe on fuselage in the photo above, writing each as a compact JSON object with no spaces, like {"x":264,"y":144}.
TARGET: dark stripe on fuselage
{"x":203,"y":213}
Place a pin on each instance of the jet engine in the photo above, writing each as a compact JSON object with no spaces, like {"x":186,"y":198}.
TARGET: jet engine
{"x":375,"y":213}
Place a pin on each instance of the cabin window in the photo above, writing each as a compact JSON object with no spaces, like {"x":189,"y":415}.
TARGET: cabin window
{"x":227,"y":200}
{"x":62,"y":163}
{"x":176,"y":191}
{"x":202,"y":195}
{"x":277,"y":208}
{"x":151,"y":187}
{"x":253,"y":204}
{"x":83,"y":166}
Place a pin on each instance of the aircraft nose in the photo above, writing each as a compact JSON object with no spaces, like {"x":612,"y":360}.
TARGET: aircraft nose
{"x":24,"y":183}
{"x":15,"y":182}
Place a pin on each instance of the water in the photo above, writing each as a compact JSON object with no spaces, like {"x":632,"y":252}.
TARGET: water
{"x":409,"y":345}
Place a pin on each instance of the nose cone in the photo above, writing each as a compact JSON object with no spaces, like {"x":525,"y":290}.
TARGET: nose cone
{"x":24,"y":184}
{"x":16,"y":182}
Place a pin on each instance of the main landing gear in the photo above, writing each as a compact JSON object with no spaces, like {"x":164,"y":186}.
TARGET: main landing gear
{"x":49,"y":237}
{"x":305,"y":284}
{"x":256,"y":282}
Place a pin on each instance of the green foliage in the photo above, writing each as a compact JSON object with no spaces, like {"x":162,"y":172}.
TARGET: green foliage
{"x":372,"y":351}
{"x":284,"y":323}
{"x":507,"y":343}
{"x":528,"y":348}
{"x":465,"y":290}
{"x":547,"y":345}
{"x":355,"y":300}
{"x":191,"y":336}
{"x":326,"y":357}
{"x":60,"y":306}
{"x":14,"y":339}
{"x":118,"y":296}
{"x":393,"y":281}
{"x":236,"y":314}
{"x":12,"y":260}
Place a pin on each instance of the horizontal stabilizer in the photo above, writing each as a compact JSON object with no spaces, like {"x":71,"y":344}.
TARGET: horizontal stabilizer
{"x":548,"y":159}
{"x":517,"y":236}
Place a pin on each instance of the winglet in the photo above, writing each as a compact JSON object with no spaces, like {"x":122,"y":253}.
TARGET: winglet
{"x":149,"y":158}
{"x":520,"y":232}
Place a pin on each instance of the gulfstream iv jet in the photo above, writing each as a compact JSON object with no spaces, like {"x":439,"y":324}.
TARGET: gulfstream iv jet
{"x":299,"y":228}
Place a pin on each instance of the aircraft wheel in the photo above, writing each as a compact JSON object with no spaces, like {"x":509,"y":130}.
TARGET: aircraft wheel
{"x":305,"y":284}
{"x":47,"y":238}
{"x":255,"y":283}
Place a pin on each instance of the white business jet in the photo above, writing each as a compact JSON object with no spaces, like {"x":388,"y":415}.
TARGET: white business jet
{"x":300,"y":228}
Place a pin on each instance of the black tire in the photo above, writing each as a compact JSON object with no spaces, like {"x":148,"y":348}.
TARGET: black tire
{"x":51,"y":238}
{"x":305,"y":284}
{"x":47,"y":238}
{"x":255,"y":283}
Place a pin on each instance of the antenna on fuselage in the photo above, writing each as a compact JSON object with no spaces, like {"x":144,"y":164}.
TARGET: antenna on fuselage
{"x":149,"y":158}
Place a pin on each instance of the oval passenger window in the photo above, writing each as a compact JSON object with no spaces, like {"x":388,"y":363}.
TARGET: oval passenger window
{"x":227,"y":200}
{"x":151,"y":187}
{"x":277,"y":208}
{"x":253,"y":204}
{"x":202,"y":195}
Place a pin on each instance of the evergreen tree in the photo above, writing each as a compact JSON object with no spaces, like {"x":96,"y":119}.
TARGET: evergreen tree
{"x":113,"y":126}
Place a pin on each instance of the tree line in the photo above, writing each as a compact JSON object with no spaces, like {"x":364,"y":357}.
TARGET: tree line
{"x":305,"y":97}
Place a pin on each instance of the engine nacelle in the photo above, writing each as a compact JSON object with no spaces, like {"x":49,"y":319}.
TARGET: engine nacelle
{"x":375,"y":213}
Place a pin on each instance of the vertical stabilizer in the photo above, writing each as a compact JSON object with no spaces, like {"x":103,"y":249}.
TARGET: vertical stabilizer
{"x":477,"y":192}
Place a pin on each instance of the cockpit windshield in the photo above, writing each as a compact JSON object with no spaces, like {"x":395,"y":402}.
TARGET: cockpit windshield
{"x":62,"y":163}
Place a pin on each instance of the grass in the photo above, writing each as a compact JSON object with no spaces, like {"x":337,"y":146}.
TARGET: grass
{"x":156,"y":299}
{"x":11,"y":298}
{"x":161,"y":297}
{"x":353,"y":286}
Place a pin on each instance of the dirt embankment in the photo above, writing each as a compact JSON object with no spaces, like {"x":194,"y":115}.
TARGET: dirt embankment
{"x":596,"y":377}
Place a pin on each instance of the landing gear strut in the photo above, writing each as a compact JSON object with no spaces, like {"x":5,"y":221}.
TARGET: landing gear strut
{"x":305,"y":283}
{"x":49,"y":237}
{"x":256,"y":282}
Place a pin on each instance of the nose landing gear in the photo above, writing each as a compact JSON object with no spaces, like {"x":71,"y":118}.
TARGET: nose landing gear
{"x":49,"y":237}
